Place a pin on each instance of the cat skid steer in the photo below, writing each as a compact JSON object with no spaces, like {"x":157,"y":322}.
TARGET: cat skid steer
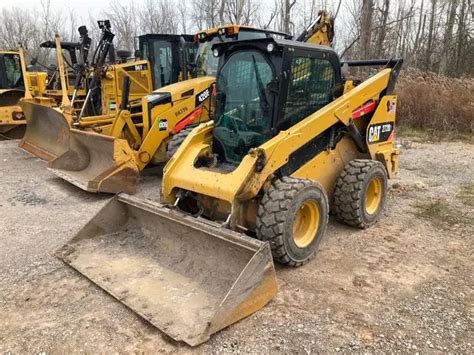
{"x":289,"y":137}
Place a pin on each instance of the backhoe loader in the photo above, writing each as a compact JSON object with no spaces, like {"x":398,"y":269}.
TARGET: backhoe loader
{"x":16,"y":83}
{"x":107,"y":156}
{"x":109,"y":163}
{"x":289,"y":138}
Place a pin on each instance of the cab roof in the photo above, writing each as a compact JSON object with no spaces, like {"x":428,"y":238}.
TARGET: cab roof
{"x":279,"y":44}
{"x":166,"y":37}
{"x":235,"y":29}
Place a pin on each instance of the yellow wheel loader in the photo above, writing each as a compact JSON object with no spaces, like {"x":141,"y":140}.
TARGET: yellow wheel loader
{"x":107,"y":154}
{"x":16,"y":83}
{"x":290,"y":138}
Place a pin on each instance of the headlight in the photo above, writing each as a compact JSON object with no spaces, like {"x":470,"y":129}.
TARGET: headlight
{"x":215,"y":52}
{"x":18,"y":115}
{"x":270,"y":47}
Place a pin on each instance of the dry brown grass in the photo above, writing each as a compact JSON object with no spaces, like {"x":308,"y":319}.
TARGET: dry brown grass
{"x":436,"y":105}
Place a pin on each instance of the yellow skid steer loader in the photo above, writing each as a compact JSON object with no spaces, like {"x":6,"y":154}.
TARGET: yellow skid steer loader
{"x":16,"y":83}
{"x":289,"y":138}
{"x":107,"y":154}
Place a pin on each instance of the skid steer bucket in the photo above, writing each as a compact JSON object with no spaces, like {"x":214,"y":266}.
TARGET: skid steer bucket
{"x":97,"y":163}
{"x":47,"y":130}
{"x":187,"y":277}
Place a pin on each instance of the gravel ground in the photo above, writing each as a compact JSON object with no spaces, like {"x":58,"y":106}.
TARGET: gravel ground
{"x":404,"y":285}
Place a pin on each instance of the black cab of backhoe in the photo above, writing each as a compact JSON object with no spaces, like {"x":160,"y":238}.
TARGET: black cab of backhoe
{"x":169,"y":56}
{"x":266,"y":86}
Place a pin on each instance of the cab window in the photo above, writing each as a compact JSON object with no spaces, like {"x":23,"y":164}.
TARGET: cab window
{"x":11,"y":76}
{"x":309,"y":89}
{"x":242,"y":105}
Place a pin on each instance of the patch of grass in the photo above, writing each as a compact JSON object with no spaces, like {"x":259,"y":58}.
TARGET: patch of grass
{"x":419,"y":135}
{"x":441,"y":214}
{"x":413,"y":134}
{"x":437,"y":106}
{"x":466,"y":194}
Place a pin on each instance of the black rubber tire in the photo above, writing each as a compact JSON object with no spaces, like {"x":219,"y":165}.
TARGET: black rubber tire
{"x":351,"y":188}
{"x":276,"y":213}
{"x":176,"y":140}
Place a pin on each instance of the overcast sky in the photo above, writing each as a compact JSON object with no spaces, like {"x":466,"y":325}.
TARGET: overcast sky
{"x":82,"y":7}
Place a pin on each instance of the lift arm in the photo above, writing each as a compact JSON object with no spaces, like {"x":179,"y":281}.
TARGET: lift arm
{"x":321,"y":31}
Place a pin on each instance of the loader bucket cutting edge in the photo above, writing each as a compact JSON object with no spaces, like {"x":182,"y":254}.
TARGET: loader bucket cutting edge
{"x":47,"y":131}
{"x":186,"y":277}
{"x":97,"y":163}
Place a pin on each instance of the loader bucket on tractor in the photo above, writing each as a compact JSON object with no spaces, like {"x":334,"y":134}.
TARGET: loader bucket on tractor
{"x":186,"y":277}
{"x":97,"y":163}
{"x":47,"y":130}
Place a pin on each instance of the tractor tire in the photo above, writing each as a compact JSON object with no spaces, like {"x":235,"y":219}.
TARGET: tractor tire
{"x":293,"y":216}
{"x":361,"y":192}
{"x":177,"y":140}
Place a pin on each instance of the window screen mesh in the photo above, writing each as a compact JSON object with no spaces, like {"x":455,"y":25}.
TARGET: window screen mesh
{"x":310,"y":88}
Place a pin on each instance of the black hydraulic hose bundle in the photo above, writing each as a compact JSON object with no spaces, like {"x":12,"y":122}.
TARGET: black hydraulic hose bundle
{"x":81,"y":66}
{"x":102,"y":51}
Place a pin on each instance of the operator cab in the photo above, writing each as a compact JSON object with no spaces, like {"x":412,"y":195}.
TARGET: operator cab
{"x":11,"y":75}
{"x":266,"y":86}
{"x":169,"y":56}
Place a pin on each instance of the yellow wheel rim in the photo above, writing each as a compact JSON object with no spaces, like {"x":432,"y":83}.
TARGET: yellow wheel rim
{"x":373,"y":195}
{"x":306,"y":223}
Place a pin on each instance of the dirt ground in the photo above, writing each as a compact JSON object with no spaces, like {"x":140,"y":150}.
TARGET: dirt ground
{"x":404,"y":285}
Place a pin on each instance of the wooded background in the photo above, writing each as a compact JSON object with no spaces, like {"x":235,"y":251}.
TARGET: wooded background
{"x":431,"y":35}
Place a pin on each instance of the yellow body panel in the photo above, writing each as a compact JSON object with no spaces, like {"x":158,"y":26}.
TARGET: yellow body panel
{"x":36,"y":82}
{"x":111,"y":84}
{"x":180,"y":170}
{"x":326,"y":167}
{"x":384,"y":117}
{"x":171,"y":113}
{"x":12,"y":115}
{"x":7,"y":117}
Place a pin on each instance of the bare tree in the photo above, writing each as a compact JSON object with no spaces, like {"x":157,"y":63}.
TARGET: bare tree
{"x":448,"y":37}
{"x":382,"y":32}
{"x":124,"y":24}
{"x":158,"y":16}
{"x":286,"y":24}
{"x":366,"y":28}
